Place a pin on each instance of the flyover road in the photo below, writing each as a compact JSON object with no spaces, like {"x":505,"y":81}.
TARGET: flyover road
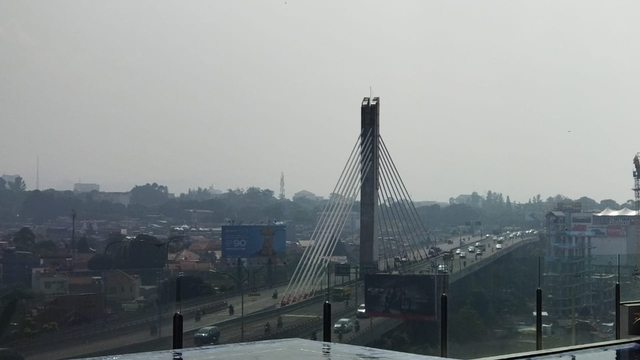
{"x":97,"y":344}
{"x":302,"y":322}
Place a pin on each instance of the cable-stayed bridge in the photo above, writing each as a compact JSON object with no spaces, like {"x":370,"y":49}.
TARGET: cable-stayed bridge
{"x":390,"y":227}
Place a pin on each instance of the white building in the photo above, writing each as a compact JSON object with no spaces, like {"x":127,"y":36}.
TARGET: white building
{"x":80,"y":188}
{"x":49,"y":283}
{"x":123,"y":198}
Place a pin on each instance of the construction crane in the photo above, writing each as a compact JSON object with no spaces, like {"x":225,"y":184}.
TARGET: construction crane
{"x":636,"y":191}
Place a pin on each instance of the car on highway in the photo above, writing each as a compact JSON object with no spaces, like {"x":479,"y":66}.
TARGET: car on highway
{"x":458,"y":251}
{"x":463,"y":255}
{"x":209,"y":335}
{"x":499,"y":247}
{"x":471,"y":249}
{"x":361,"y":312}
{"x":343,"y":326}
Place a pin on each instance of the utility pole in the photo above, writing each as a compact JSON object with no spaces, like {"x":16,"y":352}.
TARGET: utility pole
{"x":73,"y":229}
{"x":573,"y":316}
{"x":73,"y":236}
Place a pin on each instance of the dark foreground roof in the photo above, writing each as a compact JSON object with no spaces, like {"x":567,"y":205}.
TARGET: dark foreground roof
{"x":288,"y":349}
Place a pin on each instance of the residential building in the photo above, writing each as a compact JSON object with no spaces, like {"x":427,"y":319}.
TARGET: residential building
{"x":49,"y":283}
{"x":122,"y":286}
{"x":351,"y":224}
{"x":85,"y":284}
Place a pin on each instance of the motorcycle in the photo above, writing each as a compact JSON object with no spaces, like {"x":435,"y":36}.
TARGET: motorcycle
{"x":198,"y":316}
{"x":267,"y":328}
{"x":231,"y":310}
{"x":275,"y":294}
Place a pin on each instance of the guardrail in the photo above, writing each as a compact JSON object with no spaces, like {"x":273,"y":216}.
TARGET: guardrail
{"x":297,"y":329}
{"x":39,"y":344}
{"x":122,"y":321}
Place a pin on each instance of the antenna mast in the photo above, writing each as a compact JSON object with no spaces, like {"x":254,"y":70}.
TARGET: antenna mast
{"x":38,"y":173}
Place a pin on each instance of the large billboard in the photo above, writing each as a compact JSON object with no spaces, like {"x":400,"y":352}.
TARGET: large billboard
{"x":401,"y":296}
{"x":569,"y":206}
{"x":251,"y":241}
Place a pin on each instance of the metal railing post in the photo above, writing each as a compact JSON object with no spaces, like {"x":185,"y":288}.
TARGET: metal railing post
{"x":326,"y":322}
{"x":538,"y":318}
{"x":177,"y":317}
{"x":444,"y":324}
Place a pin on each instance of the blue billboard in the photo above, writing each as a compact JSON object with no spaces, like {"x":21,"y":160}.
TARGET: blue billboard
{"x":251,"y":241}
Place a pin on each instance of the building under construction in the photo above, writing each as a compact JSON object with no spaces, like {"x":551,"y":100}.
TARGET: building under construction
{"x":584,"y":251}
{"x":568,"y":268}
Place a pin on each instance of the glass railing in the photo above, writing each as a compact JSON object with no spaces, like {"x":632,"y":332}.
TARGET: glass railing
{"x":491,"y":307}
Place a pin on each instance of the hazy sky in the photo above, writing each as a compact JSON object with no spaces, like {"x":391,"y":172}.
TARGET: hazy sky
{"x":511,"y":96}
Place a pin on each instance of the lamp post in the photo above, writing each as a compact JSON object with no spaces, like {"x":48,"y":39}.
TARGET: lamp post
{"x":158,"y":281}
{"x":239,"y":282}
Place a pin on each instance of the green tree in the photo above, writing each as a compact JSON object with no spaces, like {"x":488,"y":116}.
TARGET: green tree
{"x":24,"y":239}
{"x":609,"y":203}
{"x":83,"y":245}
{"x":467,"y":321}
{"x":45,"y":247}
{"x":476,"y":199}
{"x":100,"y":262}
{"x":17,"y":185}
{"x":149,"y":194}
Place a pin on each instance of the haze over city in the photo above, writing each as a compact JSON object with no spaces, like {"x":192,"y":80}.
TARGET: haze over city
{"x":521,"y":98}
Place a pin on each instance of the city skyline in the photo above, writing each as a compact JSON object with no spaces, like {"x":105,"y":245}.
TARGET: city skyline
{"x":211,"y":91}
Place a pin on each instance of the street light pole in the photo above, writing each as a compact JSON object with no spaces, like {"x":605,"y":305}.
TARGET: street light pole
{"x":241,"y":300}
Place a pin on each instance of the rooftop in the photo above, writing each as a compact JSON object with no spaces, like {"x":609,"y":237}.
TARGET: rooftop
{"x":289,"y":349}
